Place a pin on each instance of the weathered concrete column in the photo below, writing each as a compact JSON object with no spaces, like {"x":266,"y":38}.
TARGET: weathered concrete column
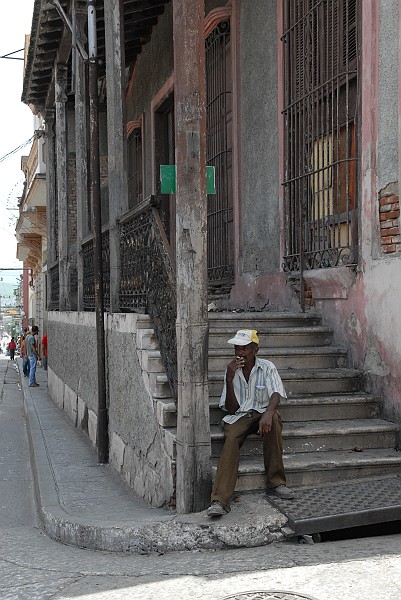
{"x":117,"y":142}
{"x":193,"y":432}
{"x":51,"y":193}
{"x":81,"y":153}
{"x":62,"y":182}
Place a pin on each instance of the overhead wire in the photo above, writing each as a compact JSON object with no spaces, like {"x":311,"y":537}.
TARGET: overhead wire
{"x":20,"y":147}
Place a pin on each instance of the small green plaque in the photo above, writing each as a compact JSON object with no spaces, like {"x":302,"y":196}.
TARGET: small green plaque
{"x":168,"y":184}
{"x":168,"y":179}
{"x":210,"y":180}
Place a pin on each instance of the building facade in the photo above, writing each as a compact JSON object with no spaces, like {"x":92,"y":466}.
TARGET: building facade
{"x":31,"y":232}
{"x":301,"y":103}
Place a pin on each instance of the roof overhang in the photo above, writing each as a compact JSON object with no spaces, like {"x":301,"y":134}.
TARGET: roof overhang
{"x":29,"y":250}
{"x":31,"y":221}
{"x":50,"y":42}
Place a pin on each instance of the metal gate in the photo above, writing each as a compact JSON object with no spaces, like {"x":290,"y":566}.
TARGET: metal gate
{"x":219,"y":154}
{"x":320,"y":51}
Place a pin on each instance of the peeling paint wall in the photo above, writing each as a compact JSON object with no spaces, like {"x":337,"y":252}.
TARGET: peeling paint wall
{"x":368,"y":324}
{"x":136,"y":445}
{"x":368,"y":320}
{"x":260,"y":243}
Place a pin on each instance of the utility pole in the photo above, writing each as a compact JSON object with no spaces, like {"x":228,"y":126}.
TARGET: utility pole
{"x":193,"y":429}
{"x":94,"y":184}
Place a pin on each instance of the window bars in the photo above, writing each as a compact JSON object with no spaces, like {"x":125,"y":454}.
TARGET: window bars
{"x":219,"y":153}
{"x":320,"y":51}
{"x":135,"y":168}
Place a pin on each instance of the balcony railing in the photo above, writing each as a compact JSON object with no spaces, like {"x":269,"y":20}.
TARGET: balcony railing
{"x":147,"y":278}
{"x":89,"y":272}
{"x":54,"y":285}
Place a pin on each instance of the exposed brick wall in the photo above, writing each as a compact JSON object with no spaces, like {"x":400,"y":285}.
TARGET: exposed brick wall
{"x":389,"y":215}
{"x":296,"y":286}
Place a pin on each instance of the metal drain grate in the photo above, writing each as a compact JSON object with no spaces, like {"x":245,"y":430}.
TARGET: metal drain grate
{"x":343,"y":505}
{"x":268,"y":595}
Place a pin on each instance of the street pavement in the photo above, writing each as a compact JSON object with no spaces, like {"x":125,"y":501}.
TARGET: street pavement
{"x":34,"y":566}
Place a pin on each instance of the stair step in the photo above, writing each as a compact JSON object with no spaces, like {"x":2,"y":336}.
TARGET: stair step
{"x":311,"y":408}
{"x":315,"y":468}
{"x":331,"y":428}
{"x":296,"y":382}
{"x":321,"y":381}
{"x":277,"y":337}
{"x":305,"y":381}
{"x":326,"y":357}
{"x":316,"y":408}
{"x":310,"y":437}
{"x":320,"y":436}
{"x":232,"y":321}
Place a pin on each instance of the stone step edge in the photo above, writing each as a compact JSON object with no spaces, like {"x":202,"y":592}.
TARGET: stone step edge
{"x":329,"y":428}
{"x":281,"y":351}
{"x":289,"y":374}
{"x":317,"y":400}
{"x":166,"y":408}
{"x":305,"y":329}
{"x":333,"y":400}
{"x":297,"y":350}
{"x":302,"y":432}
{"x":262,"y":315}
{"x":316,"y":461}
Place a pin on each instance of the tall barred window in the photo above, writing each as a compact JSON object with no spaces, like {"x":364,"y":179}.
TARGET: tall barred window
{"x":219,"y":153}
{"x":320,"y":50}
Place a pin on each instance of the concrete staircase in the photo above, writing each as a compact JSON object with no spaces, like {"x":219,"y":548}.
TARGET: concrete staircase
{"x":332,"y":429}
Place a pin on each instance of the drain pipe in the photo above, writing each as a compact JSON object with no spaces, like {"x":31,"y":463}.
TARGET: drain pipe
{"x":96,"y":208}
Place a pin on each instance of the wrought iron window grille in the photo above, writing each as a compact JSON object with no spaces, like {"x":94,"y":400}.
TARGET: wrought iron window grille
{"x":321,"y":101}
{"x":219,"y":154}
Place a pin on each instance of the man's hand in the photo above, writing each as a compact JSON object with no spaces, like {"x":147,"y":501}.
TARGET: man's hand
{"x":232,"y":403}
{"x":233,"y":366}
{"x":265,"y":423}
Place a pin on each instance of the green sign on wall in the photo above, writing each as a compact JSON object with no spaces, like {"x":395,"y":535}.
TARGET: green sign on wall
{"x":168,"y":183}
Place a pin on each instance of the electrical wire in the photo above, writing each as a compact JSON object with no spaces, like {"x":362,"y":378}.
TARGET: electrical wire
{"x":20,"y":147}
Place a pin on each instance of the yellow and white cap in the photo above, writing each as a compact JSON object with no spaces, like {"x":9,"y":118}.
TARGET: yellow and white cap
{"x":243,"y":337}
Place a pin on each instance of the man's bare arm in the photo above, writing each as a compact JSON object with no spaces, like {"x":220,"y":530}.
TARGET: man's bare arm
{"x":231,"y":403}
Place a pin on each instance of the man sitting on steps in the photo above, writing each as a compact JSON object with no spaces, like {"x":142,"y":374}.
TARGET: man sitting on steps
{"x":251,"y":394}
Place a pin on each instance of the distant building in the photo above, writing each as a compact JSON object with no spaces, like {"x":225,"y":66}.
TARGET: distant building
{"x":31,"y":231}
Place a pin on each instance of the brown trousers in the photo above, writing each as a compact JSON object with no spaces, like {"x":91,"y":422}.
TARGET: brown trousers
{"x":235,"y":435}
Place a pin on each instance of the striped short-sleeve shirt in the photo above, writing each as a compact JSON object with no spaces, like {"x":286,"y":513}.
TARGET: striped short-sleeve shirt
{"x":255,"y":394}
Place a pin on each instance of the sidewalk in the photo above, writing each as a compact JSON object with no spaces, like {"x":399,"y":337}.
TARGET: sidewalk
{"x":88,"y":505}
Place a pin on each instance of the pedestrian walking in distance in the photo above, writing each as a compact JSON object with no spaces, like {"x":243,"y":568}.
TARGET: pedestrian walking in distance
{"x":33,"y":355}
{"x":251,"y":394}
{"x":44,"y":351}
{"x":24,"y":355}
{"x":12,"y":346}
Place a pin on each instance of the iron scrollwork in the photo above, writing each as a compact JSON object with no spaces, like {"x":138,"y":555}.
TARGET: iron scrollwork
{"x":89,"y":273}
{"x":147,"y":282}
{"x":54,"y":301}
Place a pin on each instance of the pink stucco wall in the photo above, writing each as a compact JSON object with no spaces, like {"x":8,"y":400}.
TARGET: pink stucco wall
{"x":368,"y":322}
{"x":366,"y":316}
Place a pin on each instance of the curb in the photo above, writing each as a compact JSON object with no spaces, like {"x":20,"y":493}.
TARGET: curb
{"x":167,"y":534}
